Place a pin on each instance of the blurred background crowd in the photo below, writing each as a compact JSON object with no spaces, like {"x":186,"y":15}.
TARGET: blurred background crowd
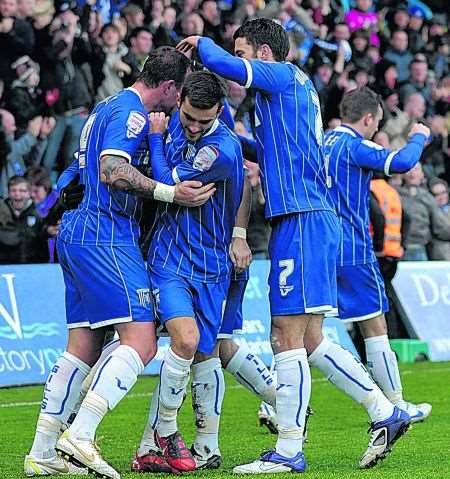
{"x":60,"y":57}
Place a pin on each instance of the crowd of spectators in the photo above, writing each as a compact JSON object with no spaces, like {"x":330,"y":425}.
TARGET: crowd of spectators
{"x":59,"y":57}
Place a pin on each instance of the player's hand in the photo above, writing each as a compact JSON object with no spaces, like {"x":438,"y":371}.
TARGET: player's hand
{"x":158,"y":122}
{"x":419,"y":128}
{"x":192,"y":193}
{"x":71,"y":196}
{"x":240,"y":254}
{"x":188,"y":44}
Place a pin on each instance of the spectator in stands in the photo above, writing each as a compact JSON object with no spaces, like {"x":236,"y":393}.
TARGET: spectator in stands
{"x":399,"y":54}
{"x":165,"y":33}
{"x":440,"y":250}
{"x":326,"y":81}
{"x":16,"y":38}
{"x":439,"y":189}
{"x":417,"y":82}
{"x":134,"y":15}
{"x":25,"y":9}
{"x":341,"y":32}
{"x":363,"y":17}
{"x":112,"y":67}
{"x":393,"y":230}
{"x":22,"y":232}
{"x":401,"y":18}
{"x":67,"y":79}
{"x":42,"y":18}
{"x":45,"y":200}
{"x":28,"y":144}
{"x":416,"y":40}
{"x":397,"y":128}
{"x":141,"y":43}
{"x":211,"y":18}
{"x":190,"y":6}
{"x":386,"y":75}
{"x":440,"y":60}
{"x":436,"y":155}
{"x":192,"y":24}
{"x":24,"y":99}
{"x":427,"y":222}
{"x":359,"y":42}
{"x":42,"y":193}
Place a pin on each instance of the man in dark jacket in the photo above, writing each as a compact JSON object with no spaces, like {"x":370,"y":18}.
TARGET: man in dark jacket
{"x":23,"y":238}
{"x":16,"y":38}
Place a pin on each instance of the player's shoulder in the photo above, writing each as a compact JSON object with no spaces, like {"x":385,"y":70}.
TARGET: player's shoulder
{"x":126,"y":101}
{"x":221,"y":142}
{"x":221,"y":133}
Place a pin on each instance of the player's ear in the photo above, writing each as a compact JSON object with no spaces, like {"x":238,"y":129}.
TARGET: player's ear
{"x":265,"y":52}
{"x":168,"y":85}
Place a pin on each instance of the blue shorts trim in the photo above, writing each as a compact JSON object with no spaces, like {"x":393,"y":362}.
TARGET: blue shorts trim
{"x":176,"y":296}
{"x":303,"y":250}
{"x":232,"y":321}
{"x":361,"y":293}
{"x":104,"y":285}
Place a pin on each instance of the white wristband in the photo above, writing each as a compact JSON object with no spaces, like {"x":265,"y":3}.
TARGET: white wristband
{"x":164,"y":192}
{"x":239,"y":232}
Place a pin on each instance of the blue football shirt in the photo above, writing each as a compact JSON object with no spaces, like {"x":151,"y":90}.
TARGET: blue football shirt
{"x":289,"y":133}
{"x":352,"y":160}
{"x":117,"y":126}
{"x":194,"y":242}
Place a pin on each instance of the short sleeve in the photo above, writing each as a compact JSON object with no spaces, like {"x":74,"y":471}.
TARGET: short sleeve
{"x":124,"y":133}
{"x":210,"y":164}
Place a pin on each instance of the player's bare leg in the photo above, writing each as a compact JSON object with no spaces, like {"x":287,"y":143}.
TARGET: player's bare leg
{"x":115,"y":377}
{"x":383,"y":366}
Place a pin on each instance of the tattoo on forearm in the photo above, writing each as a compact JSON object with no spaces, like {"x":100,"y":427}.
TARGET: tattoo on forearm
{"x":118,"y":173}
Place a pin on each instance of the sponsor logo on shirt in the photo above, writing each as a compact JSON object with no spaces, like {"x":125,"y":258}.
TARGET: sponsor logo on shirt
{"x":135,"y":124}
{"x":205,"y":158}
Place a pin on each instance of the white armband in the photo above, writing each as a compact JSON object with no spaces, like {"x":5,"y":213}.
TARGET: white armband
{"x":165,"y":193}
{"x":239,"y":233}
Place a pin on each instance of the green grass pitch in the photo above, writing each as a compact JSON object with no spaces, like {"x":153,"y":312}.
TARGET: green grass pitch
{"x":337,"y":434}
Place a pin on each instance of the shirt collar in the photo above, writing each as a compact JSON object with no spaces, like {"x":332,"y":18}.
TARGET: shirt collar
{"x":136,"y":92}
{"x":348,"y":129}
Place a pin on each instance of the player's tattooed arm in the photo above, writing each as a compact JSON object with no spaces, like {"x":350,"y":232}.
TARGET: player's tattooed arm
{"x":115,"y":171}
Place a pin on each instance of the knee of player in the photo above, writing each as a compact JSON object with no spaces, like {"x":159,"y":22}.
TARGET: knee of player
{"x":148,"y":353}
{"x":227,"y":349}
{"x":186,"y":345}
{"x":373,"y":327}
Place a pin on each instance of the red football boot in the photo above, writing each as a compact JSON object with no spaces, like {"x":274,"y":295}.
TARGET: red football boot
{"x":175,"y":452}
{"x":153,"y":461}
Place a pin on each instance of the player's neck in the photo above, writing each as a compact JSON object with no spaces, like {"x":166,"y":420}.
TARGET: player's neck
{"x":356,"y":127}
{"x":146,"y":94}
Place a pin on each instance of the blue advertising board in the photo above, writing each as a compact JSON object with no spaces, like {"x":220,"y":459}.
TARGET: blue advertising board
{"x":32,"y":322}
{"x":33,"y":329}
{"x":423,"y":289}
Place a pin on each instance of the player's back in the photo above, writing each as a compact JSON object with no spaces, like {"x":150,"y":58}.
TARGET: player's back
{"x":350,"y":192}
{"x":117,"y":126}
{"x":289,"y":138}
{"x":193,"y":242}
